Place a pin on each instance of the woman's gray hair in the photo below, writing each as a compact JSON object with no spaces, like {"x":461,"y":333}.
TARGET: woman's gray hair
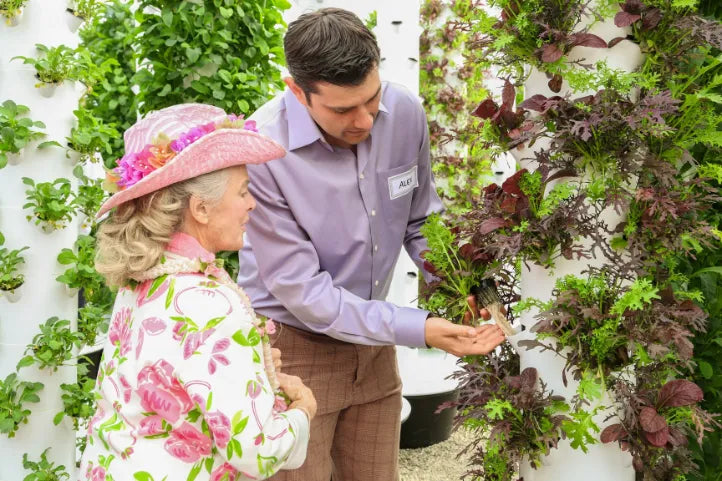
{"x":133,"y":239}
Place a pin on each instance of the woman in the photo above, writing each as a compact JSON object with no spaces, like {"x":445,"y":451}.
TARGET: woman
{"x":186,"y":386}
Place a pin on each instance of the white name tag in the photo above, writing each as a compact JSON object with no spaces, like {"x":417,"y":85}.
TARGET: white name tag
{"x":402,"y":184}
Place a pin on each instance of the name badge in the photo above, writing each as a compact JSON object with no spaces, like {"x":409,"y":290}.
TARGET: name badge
{"x":402,"y":184}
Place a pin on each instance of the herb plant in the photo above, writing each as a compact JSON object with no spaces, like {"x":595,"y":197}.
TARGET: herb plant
{"x":90,"y":136}
{"x":84,"y":9}
{"x":78,"y":402}
{"x":52,"y":347}
{"x":11,"y":8}
{"x":92,"y":319}
{"x":52,"y":202}
{"x":16,"y":130}
{"x":81,"y":273}
{"x":625,"y":182}
{"x":44,"y":470}
{"x":10,"y":278}
{"x":14,"y":396}
{"x":55,"y":64}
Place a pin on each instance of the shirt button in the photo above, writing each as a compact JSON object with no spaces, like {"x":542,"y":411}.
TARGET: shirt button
{"x":376,"y":283}
{"x":373,"y":212}
{"x":376,"y":247}
{"x":361,"y":176}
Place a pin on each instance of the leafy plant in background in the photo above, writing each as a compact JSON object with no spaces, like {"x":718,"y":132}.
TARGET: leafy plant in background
{"x":54,"y":65}
{"x":11,"y":9}
{"x":14,"y":397}
{"x":90,"y":196}
{"x":451,"y":85}
{"x":90,"y":136}
{"x":92,"y":320}
{"x":514,"y":417}
{"x":51,"y":202}
{"x":81,"y":273}
{"x":226,"y":54}
{"x":620,"y":177}
{"x":16,"y":131}
{"x":52,"y":347}
{"x":43,"y":470}
{"x":538,"y":33}
{"x":78,"y":402}
{"x":10,"y":278}
{"x":109,"y":35}
{"x":85,"y":9}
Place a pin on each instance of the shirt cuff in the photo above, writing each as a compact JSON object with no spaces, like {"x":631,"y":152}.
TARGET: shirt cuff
{"x":301,"y":427}
{"x":409,"y":327}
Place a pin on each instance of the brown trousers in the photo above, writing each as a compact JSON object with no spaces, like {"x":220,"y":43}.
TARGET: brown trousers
{"x":355,"y":434}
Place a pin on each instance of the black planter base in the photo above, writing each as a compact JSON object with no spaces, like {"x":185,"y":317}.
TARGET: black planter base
{"x":92,"y":363}
{"x":424,"y":427}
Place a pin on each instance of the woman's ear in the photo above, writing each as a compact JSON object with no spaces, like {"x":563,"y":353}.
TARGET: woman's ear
{"x":198,"y":210}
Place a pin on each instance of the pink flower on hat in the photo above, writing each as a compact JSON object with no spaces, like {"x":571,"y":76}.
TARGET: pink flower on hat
{"x":154,"y":142}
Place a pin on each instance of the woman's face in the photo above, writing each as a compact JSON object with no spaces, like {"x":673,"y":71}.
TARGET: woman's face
{"x":228,"y":218}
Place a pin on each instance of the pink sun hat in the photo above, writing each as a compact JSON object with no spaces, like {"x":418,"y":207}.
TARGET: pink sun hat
{"x":181,"y":142}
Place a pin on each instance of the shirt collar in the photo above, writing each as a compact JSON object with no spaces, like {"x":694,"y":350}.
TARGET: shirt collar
{"x":188,"y":246}
{"x":302,"y":130}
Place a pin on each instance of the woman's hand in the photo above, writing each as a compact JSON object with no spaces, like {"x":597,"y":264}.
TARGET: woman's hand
{"x":276,"y":356}
{"x":301,"y":396}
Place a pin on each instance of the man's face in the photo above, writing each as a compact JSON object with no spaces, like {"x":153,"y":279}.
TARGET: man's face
{"x":346,"y":113}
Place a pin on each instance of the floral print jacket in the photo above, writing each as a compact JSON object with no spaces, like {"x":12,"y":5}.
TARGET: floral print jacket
{"x":182,"y":393}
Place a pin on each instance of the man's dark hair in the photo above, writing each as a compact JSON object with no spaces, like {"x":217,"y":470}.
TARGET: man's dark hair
{"x":329,"y":45}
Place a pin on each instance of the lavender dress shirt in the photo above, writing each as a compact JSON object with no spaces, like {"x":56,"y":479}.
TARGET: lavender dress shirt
{"x":329,"y":225}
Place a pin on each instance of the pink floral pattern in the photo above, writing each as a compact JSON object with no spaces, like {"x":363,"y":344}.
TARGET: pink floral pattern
{"x":225,"y":472}
{"x":220,"y":427}
{"x":144,"y":288}
{"x":119,"y":331}
{"x":192,"y":401}
{"x":188,"y":444}
{"x":161,"y":393}
{"x":217,"y":357}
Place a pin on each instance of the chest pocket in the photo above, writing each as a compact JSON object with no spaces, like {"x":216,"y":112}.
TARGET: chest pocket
{"x":396,"y":189}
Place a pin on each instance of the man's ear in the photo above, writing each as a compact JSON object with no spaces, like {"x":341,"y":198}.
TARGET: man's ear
{"x":198,"y":210}
{"x":296,"y":90}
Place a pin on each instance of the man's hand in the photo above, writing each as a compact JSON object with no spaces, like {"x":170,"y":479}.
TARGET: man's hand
{"x":462,"y":340}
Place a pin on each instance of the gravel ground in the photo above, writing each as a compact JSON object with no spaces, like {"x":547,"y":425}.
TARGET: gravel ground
{"x":437,"y":462}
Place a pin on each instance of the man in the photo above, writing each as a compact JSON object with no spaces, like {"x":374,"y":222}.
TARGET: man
{"x":332,"y":216}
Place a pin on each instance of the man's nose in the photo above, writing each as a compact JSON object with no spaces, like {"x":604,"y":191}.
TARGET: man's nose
{"x":364,"y":120}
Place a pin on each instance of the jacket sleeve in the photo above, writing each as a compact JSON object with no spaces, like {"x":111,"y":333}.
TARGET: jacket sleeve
{"x":225,"y":376}
{"x":289,"y":267}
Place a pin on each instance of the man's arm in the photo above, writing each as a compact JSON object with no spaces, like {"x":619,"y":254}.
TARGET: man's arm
{"x":289,"y":267}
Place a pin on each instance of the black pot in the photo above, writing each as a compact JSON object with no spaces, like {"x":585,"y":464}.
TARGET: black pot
{"x":424,"y":426}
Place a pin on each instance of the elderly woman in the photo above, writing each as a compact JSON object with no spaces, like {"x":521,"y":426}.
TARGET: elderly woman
{"x":187,"y":388}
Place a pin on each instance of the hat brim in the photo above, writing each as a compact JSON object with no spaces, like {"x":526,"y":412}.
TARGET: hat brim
{"x":215,"y":151}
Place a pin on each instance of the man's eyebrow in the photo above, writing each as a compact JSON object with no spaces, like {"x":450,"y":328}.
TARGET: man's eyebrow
{"x":347,"y":108}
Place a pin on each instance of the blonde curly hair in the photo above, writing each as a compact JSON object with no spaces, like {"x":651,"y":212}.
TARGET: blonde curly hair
{"x":133,"y":239}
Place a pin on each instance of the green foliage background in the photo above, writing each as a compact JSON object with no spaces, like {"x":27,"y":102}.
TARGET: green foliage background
{"x":221,"y":52}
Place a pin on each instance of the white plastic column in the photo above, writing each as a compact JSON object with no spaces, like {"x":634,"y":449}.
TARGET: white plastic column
{"x":603,"y":462}
{"x":43,"y":21}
